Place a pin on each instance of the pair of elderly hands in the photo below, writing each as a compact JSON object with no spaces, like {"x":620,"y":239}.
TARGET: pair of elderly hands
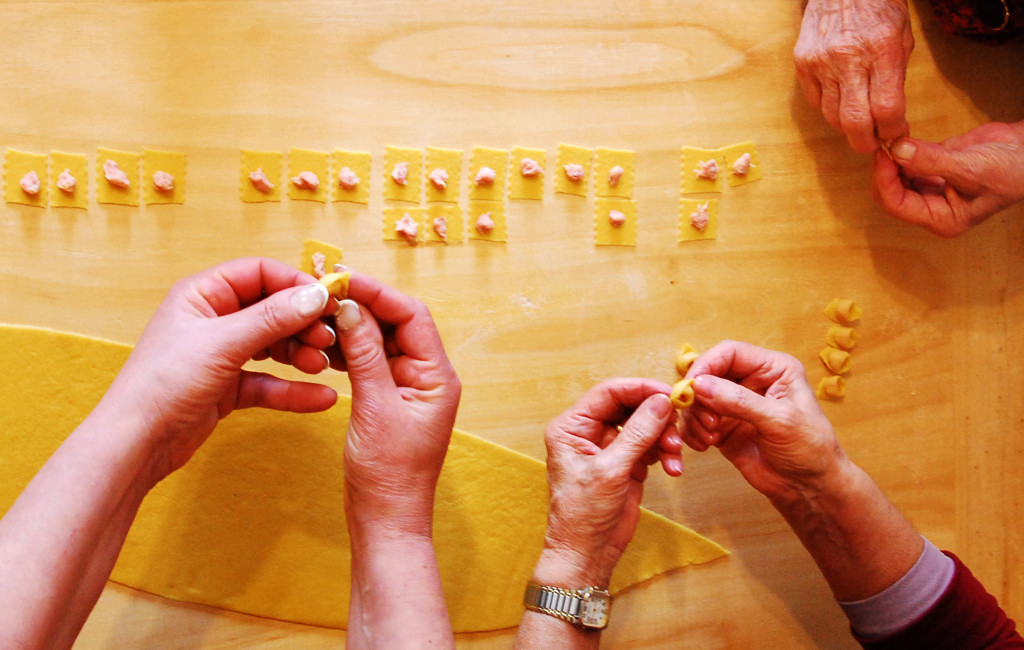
{"x":851,"y":60}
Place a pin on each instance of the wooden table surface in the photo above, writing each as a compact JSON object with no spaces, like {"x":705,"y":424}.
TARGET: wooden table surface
{"x":933,"y":410}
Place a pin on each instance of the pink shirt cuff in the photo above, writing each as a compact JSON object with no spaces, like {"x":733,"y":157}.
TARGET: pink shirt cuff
{"x":906,"y":600}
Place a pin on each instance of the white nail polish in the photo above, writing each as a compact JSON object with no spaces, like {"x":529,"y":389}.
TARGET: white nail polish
{"x":348,"y":315}
{"x":310,"y":299}
{"x":334,"y":335}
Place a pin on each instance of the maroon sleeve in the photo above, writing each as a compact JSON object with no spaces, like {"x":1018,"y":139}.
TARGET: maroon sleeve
{"x":966,"y":617}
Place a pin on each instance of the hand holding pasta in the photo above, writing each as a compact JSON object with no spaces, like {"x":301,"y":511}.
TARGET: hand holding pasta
{"x":947,"y":188}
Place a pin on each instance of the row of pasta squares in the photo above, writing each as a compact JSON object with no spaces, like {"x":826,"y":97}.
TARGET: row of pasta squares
{"x":434,"y":174}
{"x":615,"y":221}
{"x":61,"y":179}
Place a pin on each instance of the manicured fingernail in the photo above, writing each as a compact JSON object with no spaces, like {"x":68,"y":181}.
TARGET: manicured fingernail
{"x":675,"y":465}
{"x":348,"y":315}
{"x":327,"y":359}
{"x":310,"y":299}
{"x":340,"y":268}
{"x":334,"y":336}
{"x":904,"y":150}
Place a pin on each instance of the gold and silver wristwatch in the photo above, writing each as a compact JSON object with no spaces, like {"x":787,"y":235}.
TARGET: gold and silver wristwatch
{"x":587,"y":608}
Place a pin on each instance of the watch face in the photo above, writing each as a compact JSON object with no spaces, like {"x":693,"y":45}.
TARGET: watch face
{"x":594,"y":609}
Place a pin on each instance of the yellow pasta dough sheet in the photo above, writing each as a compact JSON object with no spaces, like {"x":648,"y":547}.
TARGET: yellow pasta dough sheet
{"x":392,"y":214}
{"x":569,"y":154}
{"x":308,"y":160}
{"x":526,"y":187}
{"x":271,"y":164}
{"x":255,"y":522}
{"x":496,"y":159}
{"x":129,"y":164}
{"x":732,"y":153}
{"x":452,"y":215}
{"x":77,"y":165}
{"x":16,"y":165}
{"x":409,"y":192}
{"x":496,"y":209}
{"x":449,"y":160}
{"x":360,"y":163}
{"x":692,"y":159}
{"x":312,"y":250}
{"x":172,"y":162}
{"x":687,"y":232}
{"x":605,"y":234}
{"x":607,"y":159}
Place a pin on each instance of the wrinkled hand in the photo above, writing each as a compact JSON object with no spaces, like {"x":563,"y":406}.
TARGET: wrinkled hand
{"x":186,"y":373}
{"x":949,"y":187}
{"x":405,"y":395}
{"x":756,"y":406}
{"x":596,"y":472}
{"x":851,"y":61}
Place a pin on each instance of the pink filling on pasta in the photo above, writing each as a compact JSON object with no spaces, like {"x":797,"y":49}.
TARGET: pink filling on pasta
{"x":485,"y":176}
{"x":66,"y":181}
{"x":615,"y":175}
{"x":574,"y":172}
{"x":441,"y":228}
{"x":115,"y":175}
{"x":347,"y":179}
{"x":163,"y":181}
{"x":260,"y":181}
{"x":485,"y":224}
{"x":400,"y":173}
{"x":530,"y":167}
{"x":306,"y":180}
{"x":700,"y":218}
{"x":707,"y":169}
{"x":742,"y":165}
{"x":439,"y":179}
{"x":30,"y":183}
{"x":616,"y":218}
{"x":407,"y":227}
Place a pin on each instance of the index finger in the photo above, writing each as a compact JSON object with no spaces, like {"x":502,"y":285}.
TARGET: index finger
{"x":233,"y":285}
{"x":415,"y":331}
{"x":614,"y":400}
{"x":888,"y":101}
{"x":744,"y":363}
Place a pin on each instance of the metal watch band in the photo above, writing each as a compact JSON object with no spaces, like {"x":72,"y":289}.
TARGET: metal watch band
{"x":553,"y":601}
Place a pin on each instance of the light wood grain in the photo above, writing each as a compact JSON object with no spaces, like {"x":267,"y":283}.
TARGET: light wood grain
{"x":934,"y":403}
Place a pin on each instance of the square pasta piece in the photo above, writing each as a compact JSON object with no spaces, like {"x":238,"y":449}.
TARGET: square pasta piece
{"x":318,"y":258}
{"x":575,"y":158}
{"x":521,"y":186}
{"x":169,"y":162}
{"x":733,"y":153}
{"x":254,"y":162}
{"x":394,"y":214}
{"x":107,"y":192}
{"x":357,"y":162}
{"x":18,"y":164}
{"x":693,"y":161}
{"x":452,"y":215}
{"x":448,"y":161}
{"x":308,"y":160}
{"x":605,"y":233}
{"x":688,"y":208}
{"x":495,"y":160}
{"x":77,"y":165}
{"x":607,"y":160}
{"x":409,"y":188}
{"x":495,"y":211}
